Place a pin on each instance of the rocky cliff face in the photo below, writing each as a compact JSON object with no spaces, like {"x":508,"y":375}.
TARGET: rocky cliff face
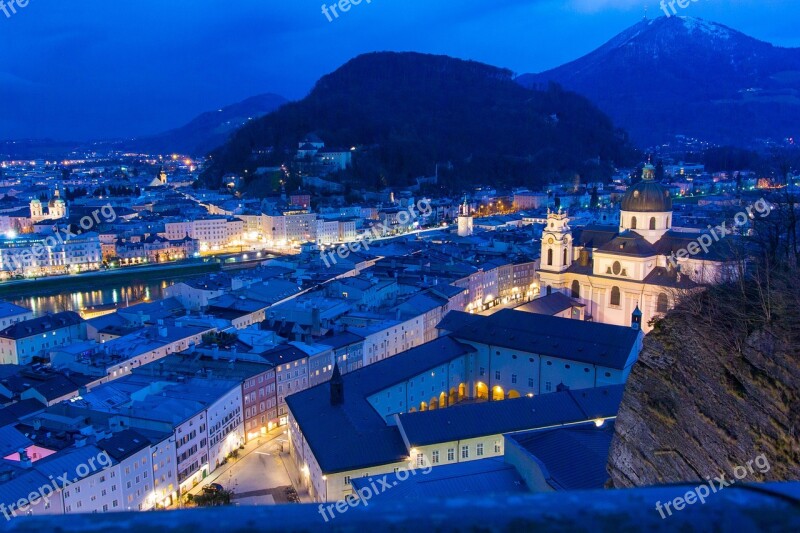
{"x":716,"y":385}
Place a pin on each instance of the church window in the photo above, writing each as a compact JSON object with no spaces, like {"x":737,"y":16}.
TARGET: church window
{"x":653,"y":223}
{"x":633,"y":222}
{"x":662,"y":304}
{"x":576,"y":289}
{"x":615,"y":296}
{"x":550,"y":257}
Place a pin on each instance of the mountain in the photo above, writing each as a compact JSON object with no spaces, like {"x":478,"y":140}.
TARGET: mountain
{"x":406,"y":112}
{"x":209,"y":130}
{"x":687,"y":76}
{"x":199,"y":137}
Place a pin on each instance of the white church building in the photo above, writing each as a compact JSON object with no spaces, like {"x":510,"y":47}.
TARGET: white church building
{"x":613,"y":270}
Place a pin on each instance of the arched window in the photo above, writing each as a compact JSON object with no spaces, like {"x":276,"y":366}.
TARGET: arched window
{"x":565,"y":257}
{"x":662,"y":303}
{"x":550,"y":257}
{"x":615,"y":297}
{"x":653,"y":223}
{"x":576,"y":289}
{"x":633,"y":222}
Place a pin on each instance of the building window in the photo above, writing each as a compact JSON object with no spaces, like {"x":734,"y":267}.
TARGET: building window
{"x":479,"y":450}
{"x":616,"y":268}
{"x":465,"y":452}
{"x":633,"y":222}
{"x":347,"y":480}
{"x":662,"y":303}
{"x":513,"y":378}
{"x":653,"y":223}
{"x":497,"y":446}
{"x":435,"y":457}
{"x":497,"y":374}
{"x":530,"y":382}
{"x":451,"y":454}
{"x":420,"y":460}
{"x":547,"y":386}
{"x":483,"y":371}
{"x":615,"y":296}
{"x":550,"y":257}
{"x":576,"y":289}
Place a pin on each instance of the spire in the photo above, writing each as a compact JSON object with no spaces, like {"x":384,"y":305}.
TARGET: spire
{"x":636,"y":318}
{"x":337,"y":386}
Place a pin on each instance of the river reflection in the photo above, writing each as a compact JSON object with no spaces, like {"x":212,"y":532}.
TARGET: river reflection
{"x":75,"y":300}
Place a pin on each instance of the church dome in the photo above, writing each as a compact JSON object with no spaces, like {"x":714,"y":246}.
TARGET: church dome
{"x":647,"y":196}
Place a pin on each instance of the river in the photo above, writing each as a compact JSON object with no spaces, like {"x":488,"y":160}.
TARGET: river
{"x":55,"y":300}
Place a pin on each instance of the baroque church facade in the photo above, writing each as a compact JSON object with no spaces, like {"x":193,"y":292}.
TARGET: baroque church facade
{"x":619,"y":271}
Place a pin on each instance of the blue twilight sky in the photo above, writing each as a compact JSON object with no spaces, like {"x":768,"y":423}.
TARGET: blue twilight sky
{"x":84,"y":69}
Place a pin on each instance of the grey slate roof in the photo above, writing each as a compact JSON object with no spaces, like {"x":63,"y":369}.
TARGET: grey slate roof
{"x":36,"y":326}
{"x":552,"y":304}
{"x":353,"y":435}
{"x":490,"y":418}
{"x":629,"y":243}
{"x":588,"y":342}
{"x":574,"y":457}
{"x":474,"y":479}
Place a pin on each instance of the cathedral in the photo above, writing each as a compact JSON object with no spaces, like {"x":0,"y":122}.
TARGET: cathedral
{"x":56,"y":209}
{"x":628,"y":273}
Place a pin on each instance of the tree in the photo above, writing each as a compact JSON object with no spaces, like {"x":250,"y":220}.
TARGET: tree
{"x":594,"y":202}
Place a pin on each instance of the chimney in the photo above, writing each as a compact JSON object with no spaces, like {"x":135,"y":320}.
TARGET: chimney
{"x":583,"y":258}
{"x":24,"y":460}
{"x":337,"y":386}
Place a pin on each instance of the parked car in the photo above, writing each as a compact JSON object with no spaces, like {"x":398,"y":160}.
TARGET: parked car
{"x":213,"y":488}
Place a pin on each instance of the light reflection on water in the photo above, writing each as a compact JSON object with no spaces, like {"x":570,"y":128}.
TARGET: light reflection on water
{"x":75,"y":300}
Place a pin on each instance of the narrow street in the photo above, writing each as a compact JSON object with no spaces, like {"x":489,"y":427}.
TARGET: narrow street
{"x":260,"y":475}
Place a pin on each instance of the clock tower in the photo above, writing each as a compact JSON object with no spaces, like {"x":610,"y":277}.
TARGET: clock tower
{"x":556,"y":243}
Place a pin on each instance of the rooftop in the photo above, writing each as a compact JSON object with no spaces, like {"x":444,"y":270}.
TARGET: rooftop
{"x":588,"y":342}
{"x":354,"y":435}
{"x":472,"y":420}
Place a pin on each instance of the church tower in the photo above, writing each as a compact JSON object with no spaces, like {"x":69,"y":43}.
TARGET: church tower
{"x":37,"y":211}
{"x":646,"y":208}
{"x":556,"y":243}
{"x":464,"y":220}
{"x":58,"y":207}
